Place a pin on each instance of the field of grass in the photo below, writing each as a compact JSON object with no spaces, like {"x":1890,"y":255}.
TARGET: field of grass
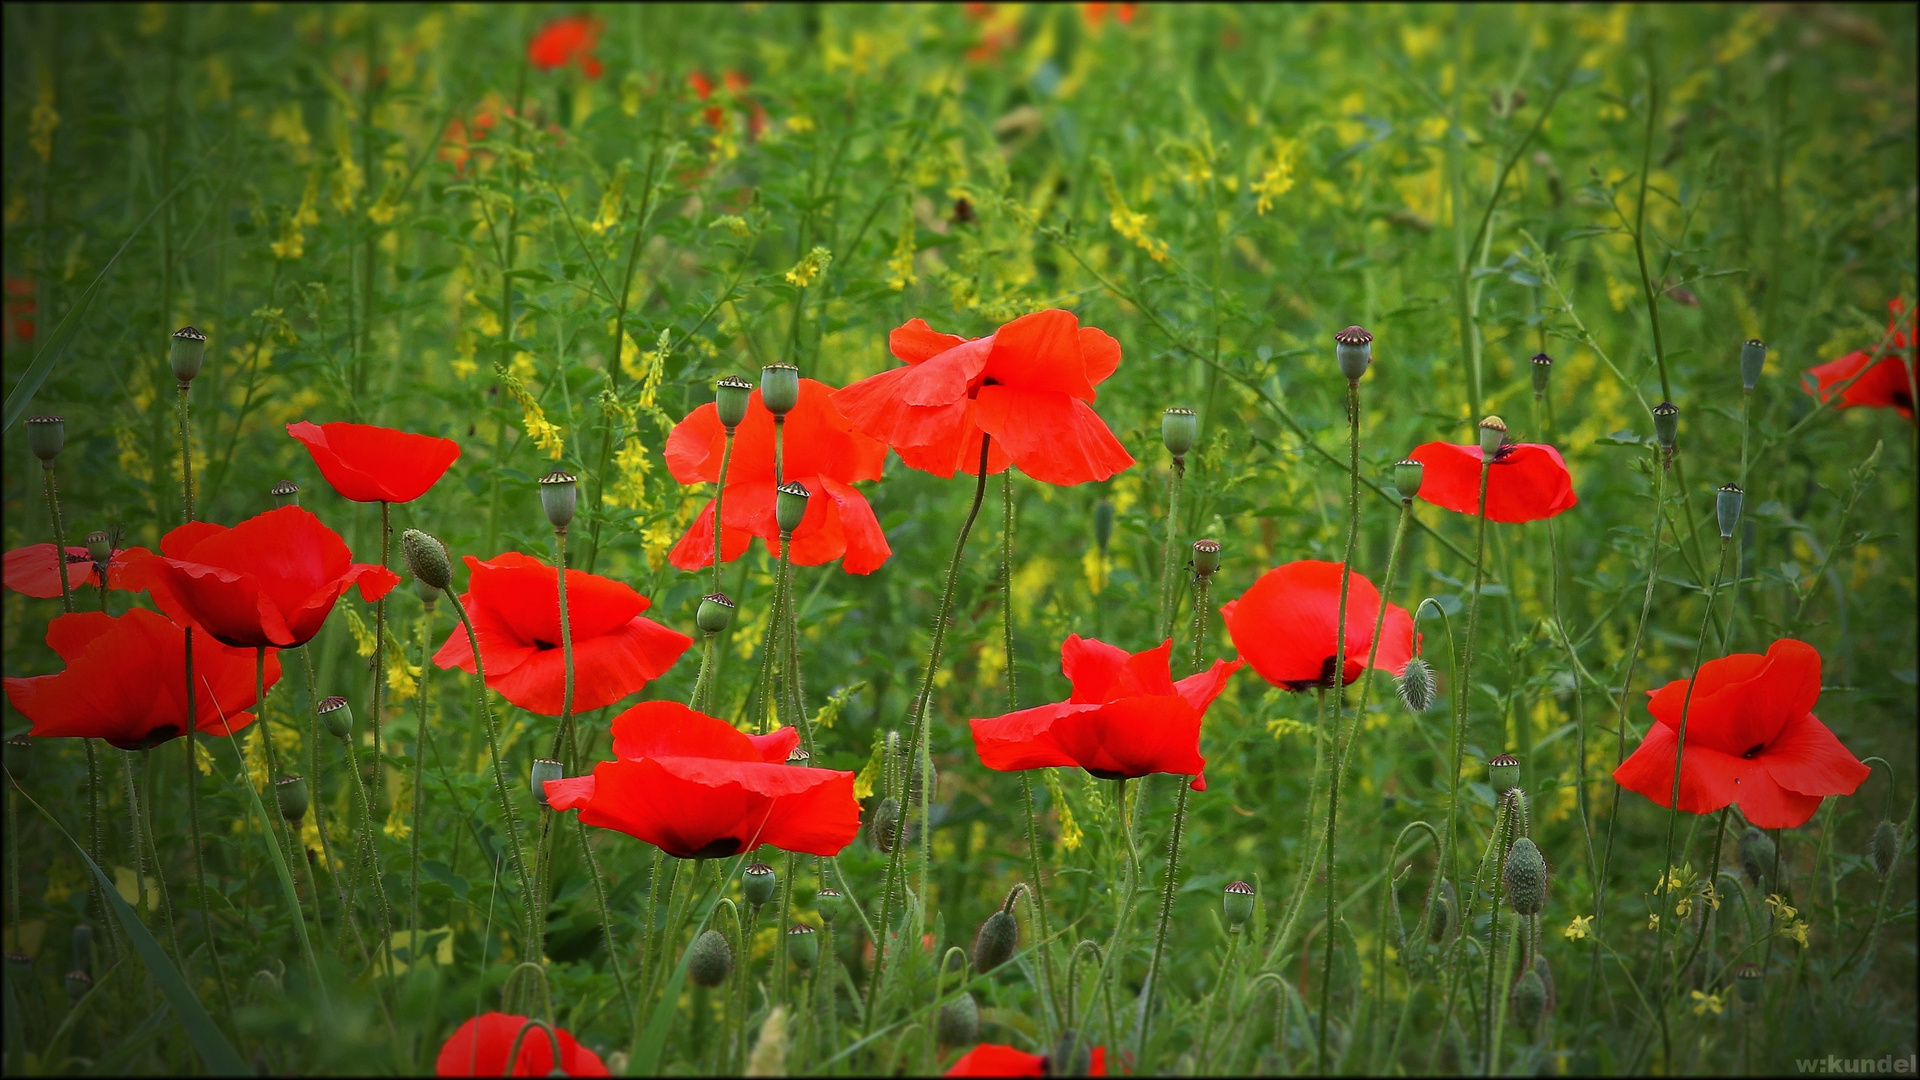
{"x":546,"y":233}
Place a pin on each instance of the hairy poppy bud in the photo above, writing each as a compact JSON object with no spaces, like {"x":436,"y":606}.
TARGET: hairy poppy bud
{"x":959,"y":1023}
{"x":1666,"y":424}
{"x":790,"y":505}
{"x":1416,"y":685}
{"x":427,"y":558}
{"x":292,"y":793}
{"x":337,"y":715}
{"x":83,"y":946}
{"x":710,"y":959}
{"x":1102,"y":524}
{"x":46,"y":435}
{"x":1753,"y":360}
{"x":831,"y":904}
{"x":1237,"y":900}
{"x":1542,"y":373}
{"x":1526,"y":876}
{"x":1179,"y":428}
{"x":1727,"y":508}
{"x":544,"y":769}
{"x":1756,"y":855}
{"x":1353,"y":347}
{"x":757,"y":883}
{"x":714,"y":614}
{"x":884,"y":825}
{"x":1206,"y":557}
{"x":1440,"y":912}
{"x":559,"y":492}
{"x":1749,"y":980}
{"x":1528,"y":1000}
{"x":779,"y":389}
{"x":1407,"y":476}
{"x":1493,"y":433}
{"x":78,"y":983}
{"x":730,"y":396}
{"x":1884,"y":848}
{"x":1071,"y":1056}
{"x":99,"y":548}
{"x":285,"y":493}
{"x":188,"y":353}
{"x":803,"y":945}
{"x":1503,"y":772}
{"x":995,"y":942}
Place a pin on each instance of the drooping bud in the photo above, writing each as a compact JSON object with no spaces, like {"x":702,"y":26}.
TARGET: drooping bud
{"x":188,"y":353}
{"x":78,"y":984}
{"x":337,"y":715}
{"x":831,"y":904}
{"x":1353,"y":347}
{"x":995,"y":942}
{"x":1071,"y":1055}
{"x":1666,"y":424}
{"x":1756,"y":855}
{"x":1493,"y":433}
{"x":1237,"y":901}
{"x":1753,"y":361}
{"x":790,"y":505}
{"x":46,"y":435}
{"x":1440,"y":912}
{"x":1727,"y":508}
{"x":99,"y":547}
{"x":883,"y":827}
{"x":779,"y":389}
{"x":1749,"y":980}
{"x":1416,"y":685}
{"x":758,"y":883}
{"x":1206,"y":557}
{"x":1102,"y":524}
{"x":292,"y":793}
{"x":427,"y":558}
{"x":710,"y":959}
{"x":1884,"y":848}
{"x":559,"y":493}
{"x":1503,"y":772}
{"x":1179,"y":429}
{"x":1526,"y":876}
{"x":1542,"y":373}
{"x":285,"y":493}
{"x":1528,"y":1000}
{"x":959,"y":1023}
{"x":803,"y":945}
{"x":1407,"y":476}
{"x":544,"y":769}
{"x":730,"y":397}
{"x":714,"y":614}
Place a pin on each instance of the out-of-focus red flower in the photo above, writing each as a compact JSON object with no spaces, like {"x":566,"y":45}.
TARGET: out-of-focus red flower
{"x":32,"y":571}
{"x":1527,"y":482}
{"x":514,"y":601}
{"x":126,"y":678}
{"x":376,"y":464}
{"x":1887,"y":383}
{"x":1096,"y":14}
{"x":1126,"y":717}
{"x":1752,"y":739}
{"x":481,"y":1045}
{"x":698,"y":788}
{"x":821,"y":450}
{"x":736,"y":85}
{"x":269,"y":581}
{"x":994,"y":1059}
{"x":1284,"y":626}
{"x":457,"y":143}
{"x":1028,"y":385}
{"x":564,"y":41}
{"x":21,"y":307}
{"x":999,"y":29}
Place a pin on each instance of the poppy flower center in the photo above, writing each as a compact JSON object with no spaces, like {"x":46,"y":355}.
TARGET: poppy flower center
{"x":1505,"y":452}
{"x":1753,"y":751}
{"x":153,"y":738}
{"x":1106,"y":774}
{"x":717,"y":849}
{"x":543,"y":645}
{"x":1325,"y":681}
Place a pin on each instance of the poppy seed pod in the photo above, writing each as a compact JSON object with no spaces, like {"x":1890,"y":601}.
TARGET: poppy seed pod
{"x":710,"y":959}
{"x":803,"y":945}
{"x":1542,"y":373}
{"x":714,"y":614}
{"x":1416,"y":685}
{"x":1236,"y":901}
{"x":1526,"y":875}
{"x":1756,"y":855}
{"x":1440,"y":912}
{"x":544,"y":769}
{"x":959,"y":1023}
{"x":1353,"y":347}
{"x":1528,"y":1001}
{"x":1727,"y":508}
{"x":46,"y":435}
{"x":337,"y":715}
{"x":1493,"y":433}
{"x":1753,"y":361}
{"x":790,"y":505}
{"x":188,"y":353}
{"x":285,"y":493}
{"x":1749,"y":980}
{"x":1102,"y":524}
{"x":1666,"y":424}
{"x":1503,"y":772}
{"x":779,"y":389}
{"x":1206,"y":557}
{"x":1407,"y":476}
{"x":798,"y":757}
{"x":291,"y":791}
{"x":78,"y":983}
{"x":559,"y":493}
{"x":730,"y":396}
{"x":1884,"y":848}
{"x":427,"y":558}
{"x":758,"y":883}
{"x":99,"y":547}
{"x":1179,"y":429}
{"x":995,"y":942}
{"x":831,"y":904}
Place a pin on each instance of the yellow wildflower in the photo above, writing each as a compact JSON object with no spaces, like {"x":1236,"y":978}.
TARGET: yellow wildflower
{"x":362,"y":635}
{"x":41,"y":125}
{"x":1708,"y":1003}
{"x":544,"y":433}
{"x":1782,"y":910}
{"x":1070,"y":834}
{"x":1577,"y":929}
{"x":1798,"y":932}
{"x":1278,"y":179}
{"x":1653,"y":922}
{"x":811,"y":265}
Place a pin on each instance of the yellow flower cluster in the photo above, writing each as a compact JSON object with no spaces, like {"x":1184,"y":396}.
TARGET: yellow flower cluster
{"x":293,"y":235}
{"x":544,"y":433}
{"x":811,"y":265}
{"x":1128,"y":222}
{"x":1277,"y":180}
{"x":1577,"y":930}
{"x":1070,"y":835}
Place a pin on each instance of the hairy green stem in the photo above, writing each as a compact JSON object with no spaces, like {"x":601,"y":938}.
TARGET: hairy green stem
{"x":499,"y":769}
{"x":59,"y":535}
{"x":419,"y":791}
{"x":1338,"y":678}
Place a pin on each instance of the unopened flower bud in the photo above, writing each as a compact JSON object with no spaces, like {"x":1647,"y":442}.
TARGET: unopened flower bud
{"x":883,"y":827}
{"x":1526,"y":877}
{"x":1727,"y":508}
{"x":188,"y":353}
{"x":1102,"y":523}
{"x":959,"y":1022}
{"x":544,"y":769}
{"x":790,"y":505}
{"x":78,"y":984}
{"x":1884,"y":848}
{"x":758,"y":883}
{"x":427,"y":558}
{"x":292,"y":794}
{"x":779,"y":388}
{"x":1528,"y":1001}
{"x":831,"y":904}
{"x":1440,"y":912}
{"x":1493,"y":433}
{"x":46,"y":435}
{"x":99,"y":547}
{"x":803,"y":945}
{"x":730,"y":397}
{"x":1753,"y":361}
{"x":710,"y":959}
{"x":1416,"y":685}
{"x":1236,"y":902}
{"x":559,"y":492}
{"x":1353,"y":347}
{"x":995,"y":943}
{"x":337,"y":715}
{"x":1542,"y":373}
{"x":1206,"y":557}
{"x":1666,"y":424}
{"x":285,"y":493}
{"x":714,"y":614}
{"x":1757,"y":855}
{"x":1749,"y":980}
{"x":1503,"y":772}
{"x":1407,"y":476}
{"x":1179,"y":429}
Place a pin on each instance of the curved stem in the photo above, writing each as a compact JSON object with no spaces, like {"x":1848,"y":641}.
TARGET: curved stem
{"x":1167,"y":890}
{"x":499,"y":770}
{"x":153,"y":854}
{"x":319,"y":789}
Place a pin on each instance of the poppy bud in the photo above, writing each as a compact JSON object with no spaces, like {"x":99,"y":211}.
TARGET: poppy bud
{"x":1503,"y":773}
{"x":1206,"y":557}
{"x":1756,"y":855}
{"x":337,"y":715}
{"x":1440,"y":912}
{"x":188,"y":353}
{"x":285,"y":493}
{"x":1526,"y":875}
{"x":292,"y":793}
{"x":779,"y":389}
{"x":1493,"y":433}
{"x":1528,"y":1001}
{"x":1542,"y":373}
{"x":995,"y":943}
{"x":1179,"y":429}
{"x":831,"y":904}
{"x":1753,"y":360}
{"x":1407,"y":476}
{"x":544,"y":769}
{"x":1071,"y":1056}
{"x":1236,"y":900}
{"x":78,"y":983}
{"x":803,"y":945}
{"x":1353,"y":347}
{"x":1749,"y":980}
{"x":758,"y":883}
{"x":959,"y":1023}
{"x":790,"y":505}
{"x":1666,"y":424}
{"x":427,"y":558}
{"x":714,"y":614}
{"x":730,"y":396}
{"x":1884,"y":848}
{"x":99,"y":547}
{"x":1416,"y":685}
{"x":46,"y":435}
{"x":1102,"y":524}
{"x":83,"y":946}
{"x":1727,"y":509}
{"x":710,"y":959}
{"x":559,"y":491}
{"x":884,"y":825}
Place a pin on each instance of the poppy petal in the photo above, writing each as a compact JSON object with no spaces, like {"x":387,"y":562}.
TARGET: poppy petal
{"x":1051,"y":436}
{"x":1709,"y":779}
{"x":1092,"y":666}
{"x":367,"y":463}
{"x":33,"y":571}
{"x":915,"y":342}
{"x":1025,"y":739}
{"x":1100,"y":352}
{"x":1040,"y":353}
{"x":864,"y":543}
{"x":993,"y":1059}
{"x":1807,"y":759}
{"x":1528,"y":481}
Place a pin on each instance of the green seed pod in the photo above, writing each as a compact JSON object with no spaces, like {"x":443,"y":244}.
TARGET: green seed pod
{"x":798,"y":757}
{"x":831,"y":904}
{"x":790,"y":505}
{"x":1542,"y":373}
{"x":1071,"y":1056}
{"x":83,"y":946}
{"x":959,"y":1023}
{"x":1503,"y":772}
{"x":714,"y":614}
{"x":1237,"y":901}
{"x":1206,"y":557}
{"x":1440,"y":912}
{"x":995,"y":943}
{"x":285,"y":493}
{"x":1407,"y":475}
{"x":883,"y":827}
{"x":559,"y":492}
{"x":779,"y":389}
{"x":758,"y":883}
{"x":803,"y":946}
{"x":292,"y":794}
{"x":337,"y":715}
{"x":1416,"y":685}
{"x":1884,"y":848}
{"x":1727,"y":508}
{"x":1753,"y":361}
{"x":1493,"y":435}
{"x":427,"y":558}
{"x":1179,"y":430}
{"x":1102,"y":524}
{"x":188,"y":353}
{"x":99,"y":548}
{"x":710,"y":959}
{"x":1526,"y":877}
{"x":1749,"y":980}
{"x":1756,"y":855}
{"x":544,"y":769}
{"x":78,"y":983}
{"x":1666,"y":424}
{"x":731,"y":396}
{"x":46,"y":435}
{"x":1528,"y":1000}
{"x":1353,"y":348}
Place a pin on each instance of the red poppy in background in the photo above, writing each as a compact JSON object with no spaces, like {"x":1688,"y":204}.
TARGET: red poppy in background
{"x":736,"y":85}
{"x":269,"y":581}
{"x":125,"y":682}
{"x":21,"y":307}
{"x":993,"y":1059}
{"x":481,"y":1045}
{"x":820,"y":449}
{"x":1887,"y":383}
{"x":1126,"y":718}
{"x":1096,"y":14}
{"x":1752,"y":739}
{"x":698,"y":788}
{"x":1527,"y":481}
{"x":564,"y":41}
{"x":1027,"y":385}
{"x":514,"y":601}
{"x":376,"y":464}
{"x":31,"y":571}
{"x":1284,"y":626}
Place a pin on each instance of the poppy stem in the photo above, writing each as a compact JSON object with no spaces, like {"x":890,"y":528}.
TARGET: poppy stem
{"x":94,"y":852}
{"x":186,"y":454}
{"x":719,"y":496}
{"x":319,"y":809}
{"x":153,"y":847}
{"x":1169,"y":595}
{"x":1713,"y":882}
{"x":380,"y":671}
{"x":419,"y":793}
{"x":1167,"y":889}
{"x":370,"y":853}
{"x":1044,"y":968}
{"x":1338,"y":680}
{"x":562,"y":736}
{"x":59,"y":535}
{"x":193,"y":828}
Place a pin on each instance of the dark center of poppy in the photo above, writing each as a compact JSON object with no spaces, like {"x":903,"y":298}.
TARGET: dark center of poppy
{"x":1753,"y":751}
{"x":543,"y":645}
{"x":716,"y":849}
{"x":1324,"y":682}
{"x":153,"y":738}
{"x":1106,"y":774}
{"x":1506,"y":451}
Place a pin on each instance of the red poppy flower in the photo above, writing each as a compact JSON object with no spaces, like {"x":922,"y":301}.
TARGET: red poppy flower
{"x":1752,"y":739}
{"x":993,"y":1059}
{"x":31,"y":571}
{"x":20,"y":308}
{"x":1528,"y":481}
{"x":1027,"y":385}
{"x":1887,"y":383}
{"x":375,"y":464}
{"x":1096,"y":14}
{"x":514,"y":601}
{"x":481,"y":1045}
{"x":125,"y":682}
{"x":269,"y":581}
{"x":1126,"y":718}
{"x":564,"y":41}
{"x":821,"y":450}
{"x":698,"y":788}
{"x":1284,"y":626}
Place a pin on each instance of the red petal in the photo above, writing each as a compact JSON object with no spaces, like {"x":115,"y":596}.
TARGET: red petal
{"x":1807,"y":759}
{"x":1051,"y":436}
{"x":992,"y":1059}
{"x":1041,"y":353}
{"x":668,"y":728}
{"x":914,"y":341}
{"x":1101,"y":353}
{"x":1744,"y":700}
{"x":366,"y":463}
{"x":1284,"y":624}
{"x":1092,"y":666}
{"x":1709,"y":778}
{"x":33,"y":571}
{"x":685,"y":805}
{"x":480,"y":1047}
{"x":1529,"y":482}
{"x":1200,"y":690}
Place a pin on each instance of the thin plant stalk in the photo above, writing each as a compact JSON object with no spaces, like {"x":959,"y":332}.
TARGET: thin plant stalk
{"x":1338,"y":675}
{"x":370,"y":853}
{"x":153,"y":852}
{"x":379,"y":665}
{"x":1168,"y":594}
{"x":59,"y":535}
{"x":419,"y":783}
{"x":719,"y":496}
{"x":499,"y":769}
{"x":314,"y":780}
{"x":1044,"y":967}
